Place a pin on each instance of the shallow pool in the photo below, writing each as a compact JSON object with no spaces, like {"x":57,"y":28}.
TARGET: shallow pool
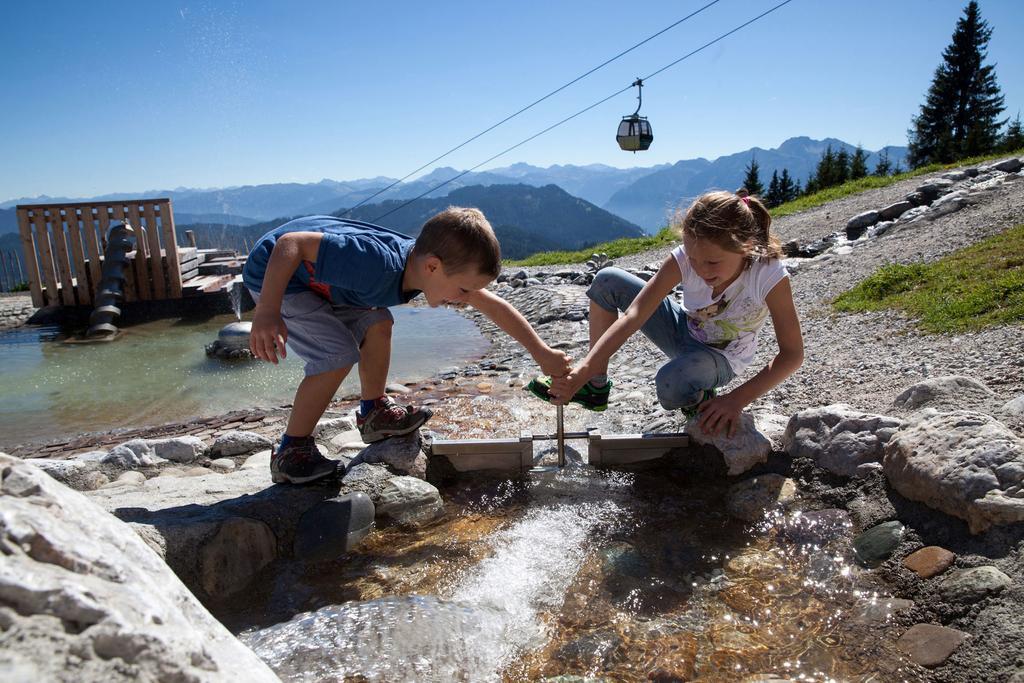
{"x":158,"y":372}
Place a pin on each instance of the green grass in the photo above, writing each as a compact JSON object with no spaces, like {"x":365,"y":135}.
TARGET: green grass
{"x":626,"y":246}
{"x":871,"y":182}
{"x":614,"y":249}
{"x":974,"y":288}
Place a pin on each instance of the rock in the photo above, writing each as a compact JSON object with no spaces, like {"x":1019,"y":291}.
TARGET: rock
{"x":333,"y":527}
{"x":930,"y":645}
{"x":894,"y":211}
{"x":239,"y":442}
{"x":949,"y":389}
{"x":742,"y":451}
{"x":223,"y":569}
{"x":131,"y":454}
{"x":772,"y":425}
{"x":370,"y":479}
{"x":879,"y":610}
{"x":132,"y":478}
{"x":756,"y":564}
{"x":68,"y":472}
{"x":948,"y":204}
{"x":841,"y":440}
{"x":963,"y":463}
{"x":344,"y":441}
{"x":929,"y":561}
{"x":1014,"y":407}
{"x":1008,"y":166}
{"x":91,"y":456}
{"x":327,"y":428}
{"x":403,"y":453}
{"x":399,"y":389}
{"x":88,"y":596}
{"x":93,"y":480}
{"x":856,"y":226}
{"x":222,"y":464}
{"x":183,"y":449}
{"x":409,"y":501}
{"x":875,"y":545}
{"x":970,"y":585}
{"x":751,"y":498}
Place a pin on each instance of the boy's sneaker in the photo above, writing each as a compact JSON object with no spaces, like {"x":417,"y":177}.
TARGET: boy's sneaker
{"x":693,"y":411}
{"x":300,"y":462}
{"x":588,"y":396}
{"x":390,"y":419}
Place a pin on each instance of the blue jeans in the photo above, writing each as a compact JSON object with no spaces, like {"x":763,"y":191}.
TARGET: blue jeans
{"x":694,"y":366}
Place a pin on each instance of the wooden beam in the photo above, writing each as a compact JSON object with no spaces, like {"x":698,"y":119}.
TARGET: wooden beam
{"x":28,"y":247}
{"x":143,"y":287}
{"x":156,"y":264}
{"x":171,"y":246}
{"x":46,"y":256}
{"x":59,"y":244}
{"x":92,"y":246}
{"x":82,"y":293}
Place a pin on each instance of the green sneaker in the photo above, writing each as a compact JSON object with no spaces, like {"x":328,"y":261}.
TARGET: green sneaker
{"x":588,"y":396}
{"x":693,"y":411}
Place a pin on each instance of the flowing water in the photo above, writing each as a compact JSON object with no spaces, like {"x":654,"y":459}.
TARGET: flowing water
{"x":158,"y":372}
{"x":616,"y":575}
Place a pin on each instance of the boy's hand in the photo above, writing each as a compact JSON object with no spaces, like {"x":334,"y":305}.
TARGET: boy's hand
{"x":564,"y":388}
{"x":268,"y":335}
{"x":721,"y":413}
{"x":552,"y":362}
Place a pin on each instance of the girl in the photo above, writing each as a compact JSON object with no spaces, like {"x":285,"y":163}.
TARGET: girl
{"x":728,"y":264}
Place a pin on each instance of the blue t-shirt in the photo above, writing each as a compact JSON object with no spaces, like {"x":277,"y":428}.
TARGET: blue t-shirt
{"x":358,"y":264}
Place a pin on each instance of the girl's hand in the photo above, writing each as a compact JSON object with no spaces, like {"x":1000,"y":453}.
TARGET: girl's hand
{"x":718,"y":414}
{"x":268,"y":335}
{"x":552,"y":362}
{"x":564,"y":388}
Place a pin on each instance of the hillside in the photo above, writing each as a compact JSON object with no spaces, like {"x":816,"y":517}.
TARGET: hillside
{"x":526,"y":219}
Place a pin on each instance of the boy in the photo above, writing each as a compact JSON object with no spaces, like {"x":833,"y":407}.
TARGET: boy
{"x":324,"y":285}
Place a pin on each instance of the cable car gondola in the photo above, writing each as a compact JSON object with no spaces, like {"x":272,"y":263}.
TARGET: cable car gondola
{"x":635,"y":133}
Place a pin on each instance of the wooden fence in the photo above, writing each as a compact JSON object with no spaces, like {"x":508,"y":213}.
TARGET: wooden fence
{"x":63,"y":246}
{"x":11,"y":272}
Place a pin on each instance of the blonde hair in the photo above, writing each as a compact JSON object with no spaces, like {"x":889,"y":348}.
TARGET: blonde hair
{"x":736,"y":222}
{"x":462,"y":238}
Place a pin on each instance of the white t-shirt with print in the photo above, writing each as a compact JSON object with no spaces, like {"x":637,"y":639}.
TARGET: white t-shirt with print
{"x":732,"y":322}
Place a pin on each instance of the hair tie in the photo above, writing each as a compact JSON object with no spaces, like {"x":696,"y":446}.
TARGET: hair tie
{"x":746,"y":200}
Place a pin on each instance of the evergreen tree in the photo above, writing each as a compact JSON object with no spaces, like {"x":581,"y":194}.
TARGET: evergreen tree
{"x":883,"y":167}
{"x":752,"y":181}
{"x":858,"y":164}
{"x":773,"y":197}
{"x":823,"y":174}
{"x":960,"y":115}
{"x":788,"y":190}
{"x":1013,"y":138}
{"x":841,"y":172}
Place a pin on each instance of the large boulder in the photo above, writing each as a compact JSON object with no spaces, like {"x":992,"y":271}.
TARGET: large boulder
{"x":83,"y":598}
{"x":840,"y":439}
{"x":951,"y":391}
{"x":963,"y":463}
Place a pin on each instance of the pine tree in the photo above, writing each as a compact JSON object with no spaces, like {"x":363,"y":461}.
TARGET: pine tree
{"x":960,"y":115}
{"x":752,"y":181}
{"x":858,"y":164}
{"x":1013,"y":138}
{"x":883,"y":167}
{"x":822,"y":176}
{"x":772,"y":197}
{"x":788,"y":190}
{"x":841,"y":170}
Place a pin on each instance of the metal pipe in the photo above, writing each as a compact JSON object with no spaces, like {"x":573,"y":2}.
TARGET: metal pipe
{"x":561,"y":436}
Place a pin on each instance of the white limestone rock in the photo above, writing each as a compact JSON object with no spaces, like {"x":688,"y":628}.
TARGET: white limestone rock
{"x":950,"y":389}
{"x":747,"y":448}
{"x":409,"y":501}
{"x":238,"y":442}
{"x":963,"y":463}
{"x":840,"y":439}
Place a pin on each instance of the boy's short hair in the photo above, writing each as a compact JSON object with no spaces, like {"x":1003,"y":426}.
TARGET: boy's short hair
{"x":461,"y":237}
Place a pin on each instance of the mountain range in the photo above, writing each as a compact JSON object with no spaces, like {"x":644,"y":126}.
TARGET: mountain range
{"x":644,"y":196}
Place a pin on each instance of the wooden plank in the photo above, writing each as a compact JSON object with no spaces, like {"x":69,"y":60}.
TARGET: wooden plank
{"x":79,"y":205}
{"x":130,"y":291}
{"x":155,"y":261}
{"x":46,"y":256}
{"x":92,"y":247}
{"x":143,"y":278}
{"x":28,"y":247}
{"x":83,"y":295}
{"x":170,"y":239}
{"x":59,"y":244}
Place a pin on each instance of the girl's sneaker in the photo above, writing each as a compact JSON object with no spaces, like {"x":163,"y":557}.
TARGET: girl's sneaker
{"x":588,"y":396}
{"x":693,"y":411}
{"x":389,"y":419}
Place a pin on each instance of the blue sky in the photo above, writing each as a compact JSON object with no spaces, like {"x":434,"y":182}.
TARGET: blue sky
{"x":113,"y":96}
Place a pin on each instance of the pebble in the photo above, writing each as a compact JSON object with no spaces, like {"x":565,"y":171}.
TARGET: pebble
{"x":875,"y":545}
{"x":971,"y":585}
{"x":930,"y":645}
{"x":929,"y":561}
{"x":222,"y":464}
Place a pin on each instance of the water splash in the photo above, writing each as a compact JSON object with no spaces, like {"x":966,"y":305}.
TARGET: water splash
{"x":235,"y":294}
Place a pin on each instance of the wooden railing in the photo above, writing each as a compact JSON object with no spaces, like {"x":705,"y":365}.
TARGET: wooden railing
{"x":63,"y":245}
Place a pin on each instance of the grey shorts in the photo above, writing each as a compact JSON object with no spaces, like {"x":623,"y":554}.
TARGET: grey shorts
{"x":325,"y":335}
